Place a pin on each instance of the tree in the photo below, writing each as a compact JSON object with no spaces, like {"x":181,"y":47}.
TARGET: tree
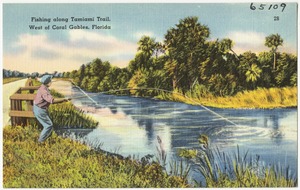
{"x":147,"y":46}
{"x":226,"y":45}
{"x":93,"y":83}
{"x":139,"y":80}
{"x":273,"y":41}
{"x":286,"y":68}
{"x":265,"y":60}
{"x":253,"y":73}
{"x":185,"y":48}
{"x":249,"y":72}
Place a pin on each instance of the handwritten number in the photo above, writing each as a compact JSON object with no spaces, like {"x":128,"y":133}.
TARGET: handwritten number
{"x":283,"y":5}
{"x":272,"y":6}
{"x":252,"y":7}
{"x":262,"y":6}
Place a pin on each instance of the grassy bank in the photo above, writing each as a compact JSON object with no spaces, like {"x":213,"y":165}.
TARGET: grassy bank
{"x":63,"y":163}
{"x":12,"y":79}
{"x":260,"y":98}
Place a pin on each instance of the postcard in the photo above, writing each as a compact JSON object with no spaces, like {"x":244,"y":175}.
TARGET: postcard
{"x":150,"y":95}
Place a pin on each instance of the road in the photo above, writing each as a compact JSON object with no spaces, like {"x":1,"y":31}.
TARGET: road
{"x":8,"y":90}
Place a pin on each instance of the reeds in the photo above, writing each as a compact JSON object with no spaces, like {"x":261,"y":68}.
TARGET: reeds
{"x":223,"y":170}
{"x":66,"y":115}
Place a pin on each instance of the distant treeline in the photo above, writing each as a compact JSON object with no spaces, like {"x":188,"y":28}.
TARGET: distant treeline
{"x":187,"y":61}
{"x":9,"y":73}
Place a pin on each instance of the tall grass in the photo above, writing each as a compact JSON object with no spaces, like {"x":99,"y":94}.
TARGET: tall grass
{"x":176,"y":168}
{"x":66,"y":115}
{"x":64,"y":163}
{"x":260,"y":98}
{"x":220,"y":169}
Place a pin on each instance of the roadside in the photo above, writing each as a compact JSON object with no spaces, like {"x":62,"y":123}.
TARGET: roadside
{"x":8,"y":90}
{"x":12,"y":79}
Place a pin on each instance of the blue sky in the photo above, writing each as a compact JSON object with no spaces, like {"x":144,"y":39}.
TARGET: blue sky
{"x":65,"y":50}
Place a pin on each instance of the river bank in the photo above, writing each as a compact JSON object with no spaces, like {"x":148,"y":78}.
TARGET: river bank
{"x":261,"y":98}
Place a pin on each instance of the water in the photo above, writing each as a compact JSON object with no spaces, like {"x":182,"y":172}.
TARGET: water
{"x":130,"y":126}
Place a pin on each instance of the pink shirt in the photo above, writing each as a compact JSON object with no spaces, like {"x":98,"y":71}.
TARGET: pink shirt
{"x":43,"y":97}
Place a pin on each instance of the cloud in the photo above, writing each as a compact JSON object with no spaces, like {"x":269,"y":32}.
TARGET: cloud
{"x":138,"y":35}
{"x":40,"y":53}
{"x":45,"y":54}
{"x":247,"y":41}
{"x":254,"y":42}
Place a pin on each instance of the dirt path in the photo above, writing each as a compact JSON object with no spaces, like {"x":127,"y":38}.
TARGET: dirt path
{"x":8,"y":90}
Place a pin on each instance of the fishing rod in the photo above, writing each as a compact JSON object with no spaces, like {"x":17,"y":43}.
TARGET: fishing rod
{"x":86,"y":95}
{"x":158,"y":89}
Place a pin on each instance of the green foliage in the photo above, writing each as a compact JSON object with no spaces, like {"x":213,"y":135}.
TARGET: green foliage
{"x":186,"y":50}
{"x":67,"y":115}
{"x":273,"y":41}
{"x":63,"y":163}
{"x":189,"y":154}
{"x":186,"y":60}
{"x":147,"y":46}
{"x":56,"y":94}
{"x":221,"y":170}
{"x":253,"y":73}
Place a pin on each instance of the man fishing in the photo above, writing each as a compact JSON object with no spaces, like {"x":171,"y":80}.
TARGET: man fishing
{"x":41,"y":104}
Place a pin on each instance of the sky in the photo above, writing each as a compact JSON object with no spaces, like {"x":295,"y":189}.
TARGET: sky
{"x":52,"y":49}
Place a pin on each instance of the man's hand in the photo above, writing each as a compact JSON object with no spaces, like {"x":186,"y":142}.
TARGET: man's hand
{"x":67,"y":99}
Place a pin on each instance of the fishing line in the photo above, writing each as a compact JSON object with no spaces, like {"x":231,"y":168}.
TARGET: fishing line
{"x":163,"y":90}
{"x":86,"y":95}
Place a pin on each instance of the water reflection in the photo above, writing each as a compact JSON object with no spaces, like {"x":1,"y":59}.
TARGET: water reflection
{"x":113,"y":109}
{"x":131,"y":125}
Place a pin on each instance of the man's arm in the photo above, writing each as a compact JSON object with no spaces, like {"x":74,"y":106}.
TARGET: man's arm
{"x":60,"y":100}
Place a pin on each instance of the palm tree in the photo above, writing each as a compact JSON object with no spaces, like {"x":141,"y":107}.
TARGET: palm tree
{"x":273,"y":41}
{"x":227,"y":44}
{"x":253,"y":74}
{"x":147,"y":45}
{"x":185,"y":48}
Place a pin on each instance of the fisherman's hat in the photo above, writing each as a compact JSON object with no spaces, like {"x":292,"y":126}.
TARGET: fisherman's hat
{"x":46,"y":79}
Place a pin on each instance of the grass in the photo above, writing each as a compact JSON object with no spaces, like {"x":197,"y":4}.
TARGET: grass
{"x":66,"y":115}
{"x":260,"y":98}
{"x":222,"y":170}
{"x":64,"y":163}
{"x":11,"y":79}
